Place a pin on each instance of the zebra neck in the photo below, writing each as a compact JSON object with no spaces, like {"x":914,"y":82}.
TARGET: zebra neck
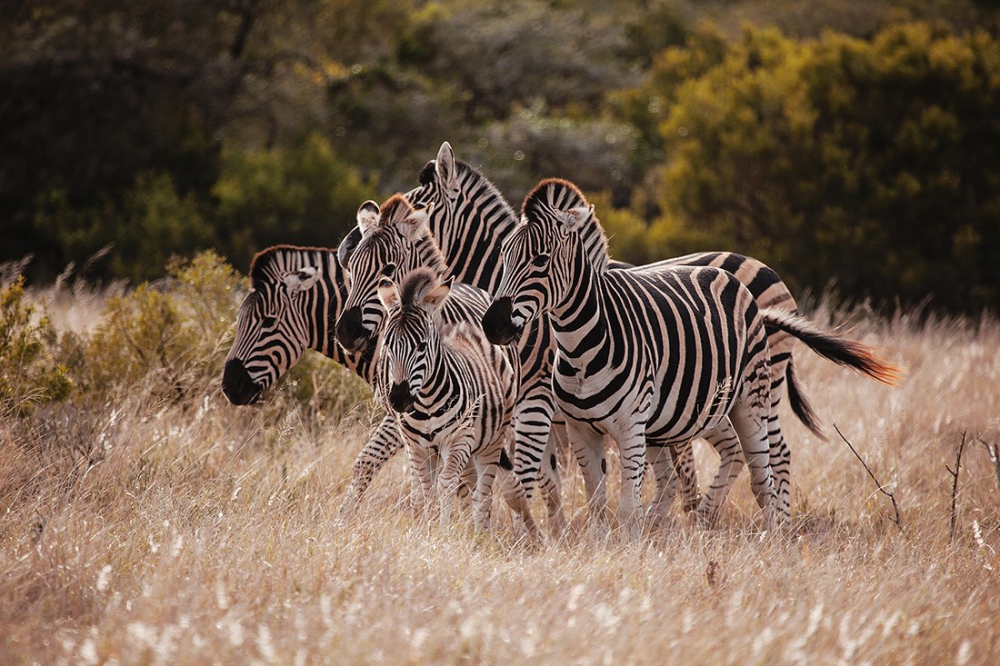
{"x":471,"y":236}
{"x":580,"y":321}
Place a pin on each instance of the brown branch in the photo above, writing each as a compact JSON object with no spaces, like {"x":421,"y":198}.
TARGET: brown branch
{"x":954,"y":486}
{"x":881,"y":489}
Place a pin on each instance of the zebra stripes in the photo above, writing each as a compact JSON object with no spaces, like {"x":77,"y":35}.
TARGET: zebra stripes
{"x":649,"y":357}
{"x":399,"y":239}
{"x":469,"y":217}
{"x":453,"y":394}
{"x":296,"y":295}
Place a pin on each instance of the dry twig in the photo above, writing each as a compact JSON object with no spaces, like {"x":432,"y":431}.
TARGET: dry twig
{"x":954,"y":486}
{"x":882,"y":490}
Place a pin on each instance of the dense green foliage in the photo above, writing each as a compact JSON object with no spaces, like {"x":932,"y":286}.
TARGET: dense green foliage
{"x":871,"y":161}
{"x":851,"y":141}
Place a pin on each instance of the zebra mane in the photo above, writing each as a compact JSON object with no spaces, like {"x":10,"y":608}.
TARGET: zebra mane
{"x":415,"y":285}
{"x":551,"y":198}
{"x":392,"y":219}
{"x":271,"y":263}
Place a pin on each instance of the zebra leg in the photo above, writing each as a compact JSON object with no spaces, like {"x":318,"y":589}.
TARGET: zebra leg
{"x":535,"y":456}
{"x":456,"y":458}
{"x":588,"y":449}
{"x":781,"y":466}
{"x":749,"y":421}
{"x":515,"y":497}
{"x":685,"y":474}
{"x":382,"y":444}
{"x":632,"y":451}
{"x":725,"y":441}
{"x":422,"y":463}
{"x":664,"y":470}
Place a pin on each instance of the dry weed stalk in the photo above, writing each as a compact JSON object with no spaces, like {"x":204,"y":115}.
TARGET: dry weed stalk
{"x":954,"y":486}
{"x":881,"y":489}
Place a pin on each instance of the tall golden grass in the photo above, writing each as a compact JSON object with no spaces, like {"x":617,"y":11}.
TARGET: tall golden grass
{"x":151,"y":532}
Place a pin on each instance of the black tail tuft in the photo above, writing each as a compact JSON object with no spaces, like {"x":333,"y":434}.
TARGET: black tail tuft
{"x":800,"y":404}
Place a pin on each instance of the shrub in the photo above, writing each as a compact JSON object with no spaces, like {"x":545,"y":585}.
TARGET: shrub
{"x":29,"y":373}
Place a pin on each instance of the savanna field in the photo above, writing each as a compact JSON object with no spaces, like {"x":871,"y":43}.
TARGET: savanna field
{"x":145,"y":520}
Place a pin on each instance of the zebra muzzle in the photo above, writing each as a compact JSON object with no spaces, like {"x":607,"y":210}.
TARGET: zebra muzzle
{"x":237,"y":384}
{"x":498,"y":325}
{"x":351,"y":333}
{"x":400,"y":398}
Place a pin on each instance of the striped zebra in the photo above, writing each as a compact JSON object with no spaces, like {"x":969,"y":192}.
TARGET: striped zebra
{"x":654,"y":356}
{"x":296,"y":295}
{"x":470,"y":218}
{"x":396,"y":239}
{"x":453,"y":394}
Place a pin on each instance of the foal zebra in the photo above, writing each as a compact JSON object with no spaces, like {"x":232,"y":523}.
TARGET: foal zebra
{"x":453,"y":394}
{"x":396,"y":239}
{"x":654,"y":356}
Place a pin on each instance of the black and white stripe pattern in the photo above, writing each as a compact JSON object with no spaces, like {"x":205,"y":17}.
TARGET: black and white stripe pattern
{"x":296,"y":295}
{"x":470,"y":218}
{"x":651,"y":357}
{"x":453,"y":394}
{"x":397,"y":239}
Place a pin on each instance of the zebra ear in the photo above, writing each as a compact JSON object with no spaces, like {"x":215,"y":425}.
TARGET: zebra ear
{"x":433,"y":299}
{"x":347,"y":246}
{"x":301,"y":280}
{"x":575,"y":218}
{"x":445,"y":168}
{"x":388,"y":295}
{"x":367,"y":216}
{"x":415,"y":225}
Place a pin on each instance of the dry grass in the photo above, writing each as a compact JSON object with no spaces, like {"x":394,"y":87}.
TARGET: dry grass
{"x":204,"y":533}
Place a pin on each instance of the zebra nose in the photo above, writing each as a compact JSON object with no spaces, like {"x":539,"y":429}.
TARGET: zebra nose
{"x":497,"y":324}
{"x":237,"y":384}
{"x":400,"y":398}
{"x":351,"y":333}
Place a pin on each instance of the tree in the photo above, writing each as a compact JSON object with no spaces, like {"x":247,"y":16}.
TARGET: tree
{"x":864,"y":161}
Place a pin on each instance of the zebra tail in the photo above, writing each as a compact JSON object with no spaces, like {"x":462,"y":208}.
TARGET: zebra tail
{"x":799,"y":402}
{"x":850,"y":353}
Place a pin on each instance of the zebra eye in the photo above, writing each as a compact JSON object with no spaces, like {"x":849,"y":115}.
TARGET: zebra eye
{"x":269,"y":322}
{"x":422,"y":345}
{"x":540,"y":261}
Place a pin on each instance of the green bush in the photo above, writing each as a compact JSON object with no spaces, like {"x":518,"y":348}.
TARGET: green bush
{"x":29,"y":371}
{"x":303,"y":195}
{"x":871,"y":163}
{"x":170,"y":336}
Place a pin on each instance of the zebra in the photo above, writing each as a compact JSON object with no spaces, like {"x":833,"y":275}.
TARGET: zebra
{"x":396,"y":239}
{"x":296,"y":295}
{"x":453,"y":394}
{"x":469,"y":217}
{"x":655,"y":356}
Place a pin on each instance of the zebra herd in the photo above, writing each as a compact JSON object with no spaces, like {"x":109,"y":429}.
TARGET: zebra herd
{"x":488,"y":337}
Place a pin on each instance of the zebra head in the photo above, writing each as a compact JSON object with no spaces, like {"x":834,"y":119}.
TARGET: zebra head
{"x":272,"y":325}
{"x":411,"y":341}
{"x":394,"y":239}
{"x":533,"y":256}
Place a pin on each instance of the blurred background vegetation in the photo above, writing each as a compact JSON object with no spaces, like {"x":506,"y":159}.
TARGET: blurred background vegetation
{"x":846,"y":140}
